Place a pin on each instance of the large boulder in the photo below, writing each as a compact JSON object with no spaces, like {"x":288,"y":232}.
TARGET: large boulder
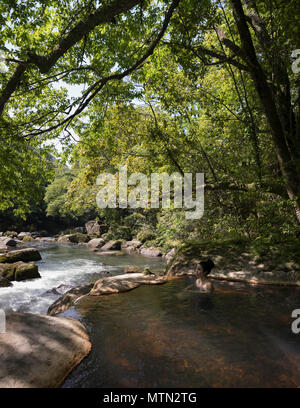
{"x":19,"y":271}
{"x":96,"y":243}
{"x":152,"y":252}
{"x":39,"y":351}
{"x":123,"y":283}
{"x":25,"y":255}
{"x":26,"y":271}
{"x":68,"y":299}
{"x":112,"y":246}
{"x":6,"y":242}
{"x":65,"y":239}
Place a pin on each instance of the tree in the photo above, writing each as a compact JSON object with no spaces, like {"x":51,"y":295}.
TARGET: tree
{"x":260,"y":47}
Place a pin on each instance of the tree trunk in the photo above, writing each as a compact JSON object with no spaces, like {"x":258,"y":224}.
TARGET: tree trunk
{"x":283,"y":135}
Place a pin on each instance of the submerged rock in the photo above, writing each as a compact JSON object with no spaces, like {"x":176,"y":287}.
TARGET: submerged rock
{"x":40,"y":351}
{"x":25,"y":255}
{"x":67,"y":300}
{"x":109,"y":253}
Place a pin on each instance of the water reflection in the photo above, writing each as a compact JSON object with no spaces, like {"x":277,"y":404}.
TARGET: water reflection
{"x":165,"y":336}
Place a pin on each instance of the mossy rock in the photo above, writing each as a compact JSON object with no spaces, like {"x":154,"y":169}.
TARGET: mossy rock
{"x":79,"y":237}
{"x":25,"y":255}
{"x":19,"y":271}
{"x":26,"y":271}
{"x":27,"y":238}
{"x":7,"y":271}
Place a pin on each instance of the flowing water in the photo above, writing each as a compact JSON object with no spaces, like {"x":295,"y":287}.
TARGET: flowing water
{"x":169,"y":335}
{"x":70,"y":265}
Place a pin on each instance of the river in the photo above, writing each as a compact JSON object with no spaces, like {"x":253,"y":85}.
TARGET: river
{"x":168,"y":335}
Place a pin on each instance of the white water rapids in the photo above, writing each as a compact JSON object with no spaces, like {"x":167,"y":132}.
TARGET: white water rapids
{"x":70,"y":265}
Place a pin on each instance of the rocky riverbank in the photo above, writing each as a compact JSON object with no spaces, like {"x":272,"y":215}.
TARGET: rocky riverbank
{"x":238,"y":261}
{"x":234,"y":260}
{"x":39,"y":351}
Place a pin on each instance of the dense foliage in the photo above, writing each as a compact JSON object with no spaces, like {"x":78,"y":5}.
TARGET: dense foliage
{"x":164,"y":86}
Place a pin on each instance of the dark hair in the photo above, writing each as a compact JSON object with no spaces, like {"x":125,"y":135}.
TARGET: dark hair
{"x":207,"y":266}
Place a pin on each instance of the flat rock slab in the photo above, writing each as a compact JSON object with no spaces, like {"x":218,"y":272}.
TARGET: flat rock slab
{"x":25,"y":255}
{"x":67,"y":300}
{"x":103,"y":286}
{"x":247,"y":277}
{"x":40,"y":351}
{"x":123,"y":283}
{"x":110,"y":253}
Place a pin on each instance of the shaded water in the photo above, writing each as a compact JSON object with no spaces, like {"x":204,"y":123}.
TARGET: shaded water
{"x":164,"y":336}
